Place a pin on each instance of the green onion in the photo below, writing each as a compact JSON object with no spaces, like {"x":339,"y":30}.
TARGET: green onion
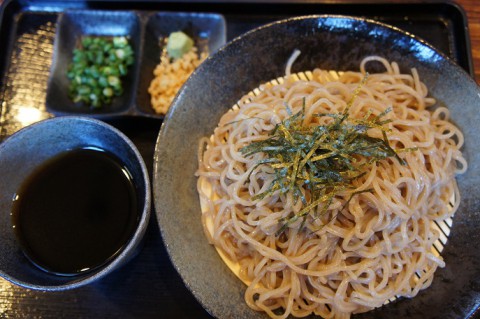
{"x":107,"y":92}
{"x":96,"y":69}
{"x":113,"y":81}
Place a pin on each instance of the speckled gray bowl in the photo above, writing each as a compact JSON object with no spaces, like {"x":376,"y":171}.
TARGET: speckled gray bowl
{"x":329,"y":42}
{"x":24,"y":151}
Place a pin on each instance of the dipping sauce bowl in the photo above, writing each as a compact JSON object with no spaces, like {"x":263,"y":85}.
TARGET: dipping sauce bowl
{"x":94,"y":231}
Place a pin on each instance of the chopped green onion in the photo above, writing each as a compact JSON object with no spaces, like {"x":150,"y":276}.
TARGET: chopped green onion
{"x":107,"y":92}
{"x":113,"y":81}
{"x":120,"y":53}
{"x":96,"y":69}
{"x":120,"y":42}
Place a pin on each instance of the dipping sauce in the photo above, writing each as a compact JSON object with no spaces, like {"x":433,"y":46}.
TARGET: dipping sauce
{"x":76,"y":212}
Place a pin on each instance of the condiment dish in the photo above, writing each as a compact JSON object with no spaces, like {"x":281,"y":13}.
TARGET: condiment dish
{"x":145,"y":31}
{"x":71,"y":27}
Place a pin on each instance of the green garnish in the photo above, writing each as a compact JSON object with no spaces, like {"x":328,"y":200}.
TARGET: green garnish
{"x":323,"y":159}
{"x":178,"y":44}
{"x":97,"y":68}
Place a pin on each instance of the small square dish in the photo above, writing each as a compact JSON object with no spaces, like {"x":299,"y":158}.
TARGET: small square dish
{"x":72,"y":27}
{"x":208,"y":32}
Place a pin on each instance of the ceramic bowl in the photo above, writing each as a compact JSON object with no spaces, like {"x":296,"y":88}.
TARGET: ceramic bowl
{"x":71,"y":27}
{"x":332,"y":43}
{"x":29,"y":148}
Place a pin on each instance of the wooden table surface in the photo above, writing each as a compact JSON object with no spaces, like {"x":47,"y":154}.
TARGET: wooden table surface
{"x":472,"y":9}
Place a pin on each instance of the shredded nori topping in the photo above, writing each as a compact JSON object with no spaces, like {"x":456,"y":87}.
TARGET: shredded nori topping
{"x":323,"y":159}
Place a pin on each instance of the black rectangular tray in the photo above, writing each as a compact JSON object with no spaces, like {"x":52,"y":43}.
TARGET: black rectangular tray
{"x":149,"y":286}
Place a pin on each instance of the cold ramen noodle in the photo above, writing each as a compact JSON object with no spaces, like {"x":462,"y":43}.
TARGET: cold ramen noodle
{"x":323,"y":192}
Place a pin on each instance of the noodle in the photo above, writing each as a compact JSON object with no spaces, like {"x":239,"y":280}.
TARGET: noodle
{"x":290,"y":61}
{"x":362,"y":252}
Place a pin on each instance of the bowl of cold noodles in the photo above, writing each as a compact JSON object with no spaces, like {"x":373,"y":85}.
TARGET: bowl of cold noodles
{"x":321,"y":166}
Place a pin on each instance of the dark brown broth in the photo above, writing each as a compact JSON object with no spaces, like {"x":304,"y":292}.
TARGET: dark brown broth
{"x":75,"y":212}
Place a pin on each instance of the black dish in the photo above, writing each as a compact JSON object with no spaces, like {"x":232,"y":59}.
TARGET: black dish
{"x":332,"y":43}
{"x":143,"y":29}
{"x":72,"y":25}
{"x":207,"y":30}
